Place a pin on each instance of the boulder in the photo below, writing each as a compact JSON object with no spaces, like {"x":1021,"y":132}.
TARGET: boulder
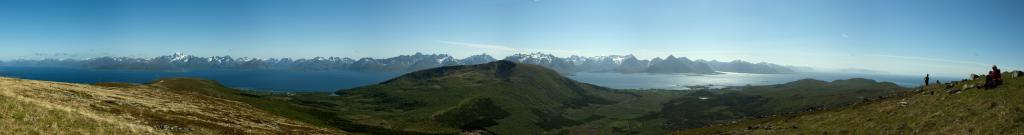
{"x":955,"y":91}
{"x":966,"y":86}
{"x":477,"y":132}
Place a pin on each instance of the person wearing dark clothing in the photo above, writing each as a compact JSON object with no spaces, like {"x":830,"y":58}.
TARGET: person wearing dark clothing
{"x":994,"y":78}
{"x":996,"y":75}
{"x":926,"y":79}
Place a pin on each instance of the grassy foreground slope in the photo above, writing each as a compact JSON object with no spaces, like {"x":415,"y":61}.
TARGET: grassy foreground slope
{"x":114,"y":108}
{"x":937,"y":109}
{"x":27,"y":118}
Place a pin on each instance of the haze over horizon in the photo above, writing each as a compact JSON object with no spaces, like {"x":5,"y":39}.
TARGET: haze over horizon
{"x":951,"y":38}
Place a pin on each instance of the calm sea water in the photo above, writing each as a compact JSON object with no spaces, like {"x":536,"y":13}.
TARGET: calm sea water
{"x":273,"y":80}
{"x":679,"y":81}
{"x":276,"y":80}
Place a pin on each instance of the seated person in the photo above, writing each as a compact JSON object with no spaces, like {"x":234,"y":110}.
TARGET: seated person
{"x":994,"y":78}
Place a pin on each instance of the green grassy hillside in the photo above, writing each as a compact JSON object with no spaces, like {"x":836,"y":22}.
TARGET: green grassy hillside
{"x":502,"y":97}
{"x":499,"y":97}
{"x":937,"y":109}
{"x":296,"y":106}
{"x":510,"y":98}
{"x":27,"y":118}
{"x":702,"y":108}
{"x":798,"y":95}
{"x":41,"y":107}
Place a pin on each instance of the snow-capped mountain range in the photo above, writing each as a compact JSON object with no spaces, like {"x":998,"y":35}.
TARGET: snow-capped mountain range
{"x":418,"y":61}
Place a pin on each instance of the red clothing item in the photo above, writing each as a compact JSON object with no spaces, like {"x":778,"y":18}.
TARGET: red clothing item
{"x":995,"y":74}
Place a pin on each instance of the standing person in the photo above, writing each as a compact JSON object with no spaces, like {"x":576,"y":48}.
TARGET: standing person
{"x":926,"y":79}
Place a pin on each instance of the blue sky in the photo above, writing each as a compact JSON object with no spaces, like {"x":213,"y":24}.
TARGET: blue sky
{"x":945,"y":37}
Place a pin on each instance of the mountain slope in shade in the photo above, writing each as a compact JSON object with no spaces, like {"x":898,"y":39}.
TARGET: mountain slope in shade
{"x":135,"y":109}
{"x":671,"y":64}
{"x":477,"y":59}
{"x":546,"y":60}
{"x":955,"y":108}
{"x":747,"y":67}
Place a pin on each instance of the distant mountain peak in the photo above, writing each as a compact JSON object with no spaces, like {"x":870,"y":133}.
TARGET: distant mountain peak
{"x":407,"y":63}
{"x":499,"y":69}
{"x":179,"y":56}
{"x":477,"y":59}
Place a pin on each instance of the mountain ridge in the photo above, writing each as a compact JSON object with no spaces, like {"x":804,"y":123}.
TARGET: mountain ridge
{"x":409,"y":63}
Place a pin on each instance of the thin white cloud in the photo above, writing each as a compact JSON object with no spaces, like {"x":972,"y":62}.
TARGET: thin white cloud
{"x":475,"y":45}
{"x":932,"y":59}
{"x":504,"y":48}
{"x":549,"y":50}
{"x":845,"y":36}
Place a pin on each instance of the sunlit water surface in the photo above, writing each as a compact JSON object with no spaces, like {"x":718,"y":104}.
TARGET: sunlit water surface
{"x":681,"y":81}
{"x":278,"y":80}
{"x":273,"y":80}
